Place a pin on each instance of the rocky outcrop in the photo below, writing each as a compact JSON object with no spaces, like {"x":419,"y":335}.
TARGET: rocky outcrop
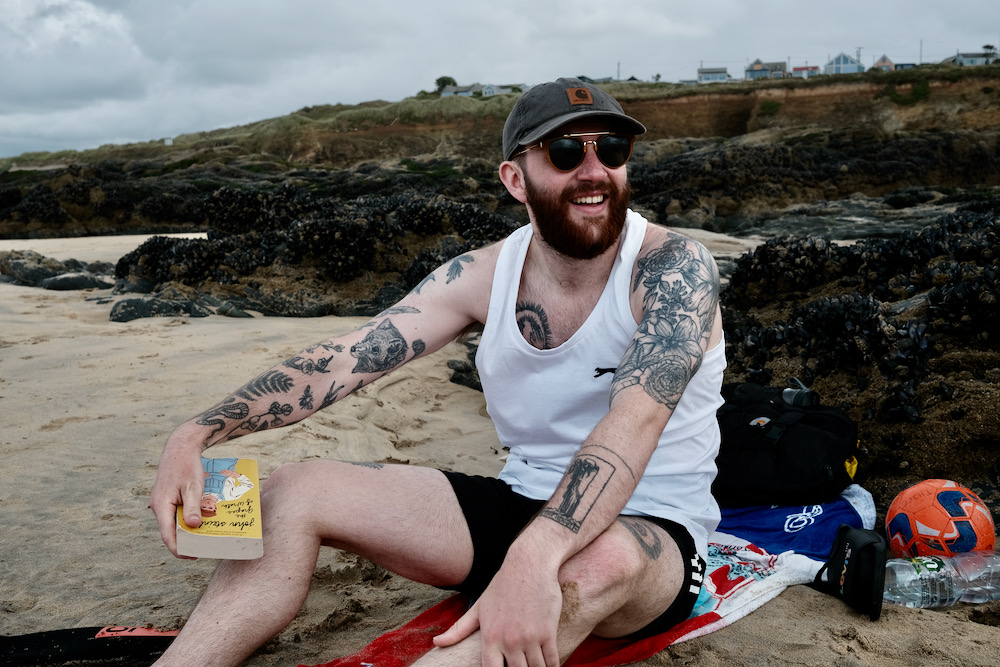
{"x":900,"y":332}
{"x":27,"y":267}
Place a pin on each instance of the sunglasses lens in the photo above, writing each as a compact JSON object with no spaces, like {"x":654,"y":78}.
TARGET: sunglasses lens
{"x":614,"y":151}
{"x":566,"y":153}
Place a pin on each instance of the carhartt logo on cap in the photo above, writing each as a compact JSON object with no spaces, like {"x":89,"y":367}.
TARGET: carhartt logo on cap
{"x":579,"y":96}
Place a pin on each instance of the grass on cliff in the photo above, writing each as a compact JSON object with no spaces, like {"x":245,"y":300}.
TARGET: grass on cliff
{"x":277,"y":137}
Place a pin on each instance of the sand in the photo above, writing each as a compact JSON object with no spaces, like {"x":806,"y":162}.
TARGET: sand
{"x":87,"y":404}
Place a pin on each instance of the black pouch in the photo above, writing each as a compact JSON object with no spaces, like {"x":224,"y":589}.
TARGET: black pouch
{"x":855,"y":571}
{"x":777,"y":453}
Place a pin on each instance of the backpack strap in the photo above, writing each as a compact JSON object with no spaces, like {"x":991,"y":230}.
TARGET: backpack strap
{"x":777,"y":426}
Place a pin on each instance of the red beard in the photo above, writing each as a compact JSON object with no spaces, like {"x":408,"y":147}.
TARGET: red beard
{"x":577,"y":240}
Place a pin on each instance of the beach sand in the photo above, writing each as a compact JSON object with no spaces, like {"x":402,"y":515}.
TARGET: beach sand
{"x":87,"y":404}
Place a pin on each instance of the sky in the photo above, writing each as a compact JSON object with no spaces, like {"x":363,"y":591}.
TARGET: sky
{"x":78,"y":74}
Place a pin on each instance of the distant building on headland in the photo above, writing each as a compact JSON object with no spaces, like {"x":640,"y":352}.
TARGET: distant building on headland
{"x":479,"y":90}
{"x":713,"y":75}
{"x":884,"y":64}
{"x":971,"y":59}
{"x":761,"y":70}
{"x":805,"y":71}
{"x":843,"y":64}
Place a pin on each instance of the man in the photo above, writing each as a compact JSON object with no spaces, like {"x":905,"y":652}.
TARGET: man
{"x":601,"y":361}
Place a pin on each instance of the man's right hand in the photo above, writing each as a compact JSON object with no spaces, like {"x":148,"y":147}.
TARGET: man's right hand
{"x":180,"y":480}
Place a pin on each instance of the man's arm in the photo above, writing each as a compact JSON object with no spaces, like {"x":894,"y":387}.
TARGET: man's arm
{"x":430,"y":316}
{"x":676,"y":289}
{"x":677,"y":282}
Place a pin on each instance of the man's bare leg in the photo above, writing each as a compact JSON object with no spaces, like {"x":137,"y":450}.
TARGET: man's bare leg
{"x":615,"y":586}
{"x":368,"y":510}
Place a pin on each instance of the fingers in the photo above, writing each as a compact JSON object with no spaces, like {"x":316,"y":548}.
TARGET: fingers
{"x":462,"y":629}
{"x":166,"y":521}
{"x":179,"y":481}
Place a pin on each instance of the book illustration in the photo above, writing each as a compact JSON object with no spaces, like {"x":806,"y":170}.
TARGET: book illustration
{"x":230,"y":510}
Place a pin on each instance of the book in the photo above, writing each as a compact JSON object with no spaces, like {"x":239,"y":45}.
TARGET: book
{"x":230,"y":513}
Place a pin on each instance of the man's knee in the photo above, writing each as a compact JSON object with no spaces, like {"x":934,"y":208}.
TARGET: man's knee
{"x":609,"y":564}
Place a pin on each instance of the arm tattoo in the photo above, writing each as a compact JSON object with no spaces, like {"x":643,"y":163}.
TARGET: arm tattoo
{"x":332,"y":395}
{"x":534,"y":324}
{"x":679,"y":310}
{"x":326,"y":346}
{"x":306,"y":399}
{"x":308,"y":366}
{"x":427,"y":279}
{"x":382,"y":349}
{"x":647,"y":538}
{"x":240,"y":412}
{"x":455,"y":268}
{"x":229,"y":409}
{"x":271,"y":382}
{"x":394,"y":310}
{"x":587,"y":477}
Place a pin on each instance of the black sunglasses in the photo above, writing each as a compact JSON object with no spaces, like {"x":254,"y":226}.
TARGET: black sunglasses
{"x":566,"y":153}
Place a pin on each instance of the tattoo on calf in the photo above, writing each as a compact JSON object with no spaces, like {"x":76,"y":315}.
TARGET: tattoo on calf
{"x":644,"y":535}
{"x":588,"y":477}
{"x":534,"y":324}
{"x":679,"y":310}
{"x":368,"y":464}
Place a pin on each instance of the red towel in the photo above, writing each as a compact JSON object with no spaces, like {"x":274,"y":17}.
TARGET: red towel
{"x":403,"y":646}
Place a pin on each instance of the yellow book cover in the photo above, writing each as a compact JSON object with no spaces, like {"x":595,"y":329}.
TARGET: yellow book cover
{"x":230,"y":513}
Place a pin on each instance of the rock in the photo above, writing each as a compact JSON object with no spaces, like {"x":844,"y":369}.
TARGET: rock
{"x":75,"y":281}
{"x":127,"y":310}
{"x":29,"y":267}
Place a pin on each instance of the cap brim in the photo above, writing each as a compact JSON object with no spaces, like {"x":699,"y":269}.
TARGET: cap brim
{"x":622,"y":123}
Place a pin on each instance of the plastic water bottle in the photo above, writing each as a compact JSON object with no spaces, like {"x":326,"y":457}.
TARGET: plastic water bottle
{"x":935,"y":581}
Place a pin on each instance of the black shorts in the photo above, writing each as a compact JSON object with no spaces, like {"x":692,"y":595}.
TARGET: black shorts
{"x":496,"y":515}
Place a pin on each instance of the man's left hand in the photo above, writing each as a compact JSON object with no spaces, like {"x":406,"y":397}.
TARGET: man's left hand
{"x":518,"y":619}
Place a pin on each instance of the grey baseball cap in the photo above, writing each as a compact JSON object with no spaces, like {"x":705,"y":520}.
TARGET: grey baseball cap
{"x":547,"y":106}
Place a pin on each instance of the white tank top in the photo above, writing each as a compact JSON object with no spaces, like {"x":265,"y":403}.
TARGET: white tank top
{"x":545,"y":403}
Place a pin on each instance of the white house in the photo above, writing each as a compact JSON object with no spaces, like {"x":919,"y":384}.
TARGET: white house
{"x":805,"y":71}
{"x":970,"y":59}
{"x":488,"y":90}
{"x":713,"y":75}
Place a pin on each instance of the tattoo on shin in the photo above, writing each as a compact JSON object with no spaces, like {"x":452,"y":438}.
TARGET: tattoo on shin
{"x":644,"y":535}
{"x":587,"y":477}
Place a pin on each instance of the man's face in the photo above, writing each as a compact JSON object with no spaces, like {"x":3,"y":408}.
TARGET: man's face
{"x":579,"y":213}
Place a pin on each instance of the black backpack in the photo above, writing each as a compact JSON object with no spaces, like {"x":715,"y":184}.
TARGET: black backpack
{"x":782,"y":450}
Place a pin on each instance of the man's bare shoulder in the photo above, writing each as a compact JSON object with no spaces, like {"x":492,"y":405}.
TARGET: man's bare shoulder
{"x":658,"y":236}
{"x":662,"y":248}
